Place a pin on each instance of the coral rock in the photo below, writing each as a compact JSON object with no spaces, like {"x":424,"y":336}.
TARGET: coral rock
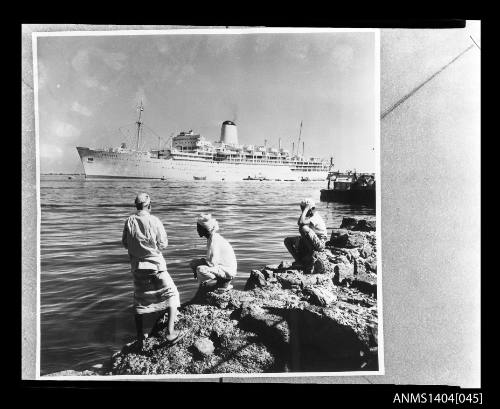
{"x":366,"y":225}
{"x":257,"y":279}
{"x":268,"y":274}
{"x":203,"y":347}
{"x":371,"y":265}
{"x":349,"y":223}
{"x":320,"y":264}
{"x":290,"y":279}
{"x":319,"y":295}
{"x":356,"y":224}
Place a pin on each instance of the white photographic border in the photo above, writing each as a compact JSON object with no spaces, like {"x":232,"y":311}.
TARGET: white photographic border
{"x":217,"y":31}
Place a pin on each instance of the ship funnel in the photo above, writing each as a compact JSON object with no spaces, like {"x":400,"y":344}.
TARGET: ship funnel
{"x":229,"y":133}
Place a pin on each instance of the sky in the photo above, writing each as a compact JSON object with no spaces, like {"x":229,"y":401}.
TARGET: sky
{"x":89,"y":88}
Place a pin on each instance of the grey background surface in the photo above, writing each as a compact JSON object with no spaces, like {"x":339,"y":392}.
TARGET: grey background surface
{"x":430,"y":209}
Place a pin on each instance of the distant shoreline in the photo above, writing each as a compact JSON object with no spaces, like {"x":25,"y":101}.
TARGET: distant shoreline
{"x":62,"y":174}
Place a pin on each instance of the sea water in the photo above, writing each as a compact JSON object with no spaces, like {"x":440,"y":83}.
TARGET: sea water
{"x":86,"y":285}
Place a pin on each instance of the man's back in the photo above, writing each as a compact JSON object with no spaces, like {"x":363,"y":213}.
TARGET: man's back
{"x":144,"y":236}
{"x":221,"y":252}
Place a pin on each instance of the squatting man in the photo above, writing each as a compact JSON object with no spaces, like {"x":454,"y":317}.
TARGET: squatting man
{"x":219,"y":266}
{"x":313,"y":234}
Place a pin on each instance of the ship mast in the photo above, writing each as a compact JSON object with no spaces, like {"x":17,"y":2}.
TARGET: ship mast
{"x":298,"y":142}
{"x":139,"y":125}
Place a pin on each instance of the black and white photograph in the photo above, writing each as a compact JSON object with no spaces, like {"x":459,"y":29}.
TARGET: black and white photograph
{"x":254,"y":204}
{"x":208,"y":202}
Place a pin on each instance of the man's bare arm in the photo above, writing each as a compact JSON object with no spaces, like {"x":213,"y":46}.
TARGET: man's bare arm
{"x":304,"y":219}
{"x":162,"y":239}
{"x":124,"y":236}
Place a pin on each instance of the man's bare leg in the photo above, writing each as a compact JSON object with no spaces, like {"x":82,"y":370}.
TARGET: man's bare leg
{"x":290,"y":244}
{"x":172,"y":314}
{"x":307,"y":236}
{"x":139,"y":328}
{"x":311,"y":240}
{"x":156,"y":327}
{"x":307,"y":245}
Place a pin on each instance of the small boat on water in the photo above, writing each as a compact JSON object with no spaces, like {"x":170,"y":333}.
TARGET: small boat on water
{"x":200,"y":178}
{"x":308,"y":179}
{"x":256,"y":178}
{"x":350,"y":187}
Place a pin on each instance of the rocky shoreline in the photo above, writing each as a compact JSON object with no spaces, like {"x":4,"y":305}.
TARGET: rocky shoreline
{"x":288,"y":318}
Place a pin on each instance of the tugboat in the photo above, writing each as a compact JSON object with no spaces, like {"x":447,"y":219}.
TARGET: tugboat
{"x":350,"y":187}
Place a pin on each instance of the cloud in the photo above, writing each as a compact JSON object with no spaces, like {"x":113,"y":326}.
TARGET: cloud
{"x":223,"y":43}
{"x":162,"y":46}
{"x":166,"y":72}
{"x":81,"y":60}
{"x":297,"y":49}
{"x":80,"y":109}
{"x":65,"y":130}
{"x":81,"y":64}
{"x":262,"y":43}
{"x":91,"y":82}
{"x":50,"y":151}
{"x":113,"y":60}
{"x":185,"y":72}
{"x":342,"y":57}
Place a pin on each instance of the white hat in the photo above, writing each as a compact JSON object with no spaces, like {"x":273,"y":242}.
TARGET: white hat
{"x":208,"y":222}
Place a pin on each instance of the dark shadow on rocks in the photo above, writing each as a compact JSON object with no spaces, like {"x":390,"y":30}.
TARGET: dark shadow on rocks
{"x":305,"y":340}
{"x":272,"y":331}
{"x":277,"y":366}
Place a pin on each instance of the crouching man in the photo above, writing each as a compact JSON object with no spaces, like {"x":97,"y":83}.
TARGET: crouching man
{"x":219,"y":266}
{"x":312,"y":231}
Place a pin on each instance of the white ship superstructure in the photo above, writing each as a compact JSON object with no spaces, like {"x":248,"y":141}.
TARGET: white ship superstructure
{"x":191,"y":156}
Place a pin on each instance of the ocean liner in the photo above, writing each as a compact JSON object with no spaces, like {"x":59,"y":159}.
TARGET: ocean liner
{"x":192,"y":157}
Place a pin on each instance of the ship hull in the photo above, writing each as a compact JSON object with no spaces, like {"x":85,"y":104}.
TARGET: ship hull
{"x":115,"y":165}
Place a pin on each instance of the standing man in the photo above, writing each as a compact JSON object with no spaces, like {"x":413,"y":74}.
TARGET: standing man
{"x":219,"y":266}
{"x":312,"y":231}
{"x":154,"y":291}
